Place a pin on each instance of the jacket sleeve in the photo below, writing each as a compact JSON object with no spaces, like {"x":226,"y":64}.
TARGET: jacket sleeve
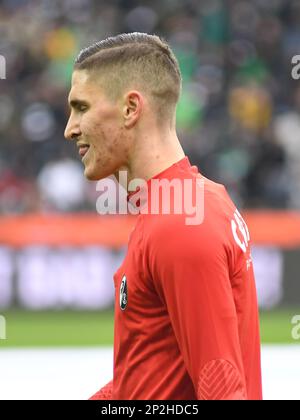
{"x":104,"y":393}
{"x":190,"y":271}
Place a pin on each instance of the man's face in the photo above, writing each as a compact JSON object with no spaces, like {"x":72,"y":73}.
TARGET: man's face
{"x":96,"y":124}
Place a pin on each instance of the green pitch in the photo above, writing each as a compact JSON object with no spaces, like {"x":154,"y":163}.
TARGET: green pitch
{"x":71,"y":328}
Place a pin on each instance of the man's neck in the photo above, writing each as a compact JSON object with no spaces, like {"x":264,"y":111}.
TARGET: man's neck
{"x":153,"y":155}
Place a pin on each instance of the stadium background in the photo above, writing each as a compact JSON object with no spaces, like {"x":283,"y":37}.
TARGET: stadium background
{"x":238,"y":120}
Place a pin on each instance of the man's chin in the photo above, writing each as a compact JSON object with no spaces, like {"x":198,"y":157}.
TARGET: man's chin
{"x":93,"y":175}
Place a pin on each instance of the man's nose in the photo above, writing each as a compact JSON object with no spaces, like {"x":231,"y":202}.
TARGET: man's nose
{"x":72,"y":130}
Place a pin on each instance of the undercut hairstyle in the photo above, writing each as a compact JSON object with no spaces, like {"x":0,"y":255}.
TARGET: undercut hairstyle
{"x":135,"y":61}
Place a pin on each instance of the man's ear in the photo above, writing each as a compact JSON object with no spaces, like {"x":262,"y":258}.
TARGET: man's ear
{"x":132,"y":109}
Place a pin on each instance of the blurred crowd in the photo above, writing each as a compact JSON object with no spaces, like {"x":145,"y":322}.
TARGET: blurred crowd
{"x":238,"y":118}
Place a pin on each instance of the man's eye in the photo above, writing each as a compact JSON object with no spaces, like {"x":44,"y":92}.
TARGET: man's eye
{"x":82,"y":108}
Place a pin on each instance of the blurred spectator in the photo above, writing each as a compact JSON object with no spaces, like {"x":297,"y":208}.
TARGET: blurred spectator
{"x":235,"y":118}
{"x":287,"y":132}
{"x":61,"y":185}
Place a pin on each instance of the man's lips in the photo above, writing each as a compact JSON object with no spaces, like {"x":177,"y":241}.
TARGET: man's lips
{"x":83,"y":148}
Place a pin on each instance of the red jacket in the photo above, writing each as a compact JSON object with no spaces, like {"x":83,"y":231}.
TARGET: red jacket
{"x":186,"y":317}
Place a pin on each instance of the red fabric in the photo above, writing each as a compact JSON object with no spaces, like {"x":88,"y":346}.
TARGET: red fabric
{"x":186,"y":318}
{"x":104,"y":393}
{"x":219,"y":380}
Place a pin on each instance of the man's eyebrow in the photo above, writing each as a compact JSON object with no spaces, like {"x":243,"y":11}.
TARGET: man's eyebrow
{"x":75,"y":103}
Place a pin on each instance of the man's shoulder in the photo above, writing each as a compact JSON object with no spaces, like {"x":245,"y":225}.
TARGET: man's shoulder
{"x":201,"y":197}
{"x":209,"y":221}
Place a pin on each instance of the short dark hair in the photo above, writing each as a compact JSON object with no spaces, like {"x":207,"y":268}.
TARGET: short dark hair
{"x":135,"y":60}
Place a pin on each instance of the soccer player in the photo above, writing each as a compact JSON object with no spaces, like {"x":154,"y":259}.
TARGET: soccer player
{"x":186,"y":316}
